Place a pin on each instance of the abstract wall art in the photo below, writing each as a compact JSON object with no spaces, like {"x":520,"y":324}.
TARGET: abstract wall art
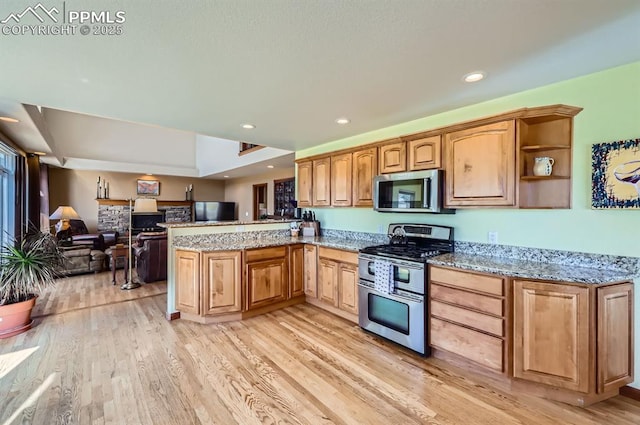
{"x":616,"y":174}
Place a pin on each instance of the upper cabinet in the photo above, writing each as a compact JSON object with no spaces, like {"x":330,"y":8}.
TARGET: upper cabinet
{"x":392,"y":157}
{"x":424,"y":153}
{"x":341,"y":180}
{"x":322,"y":182}
{"x":304,"y":184}
{"x":480,"y":164}
{"x":365,"y":167}
{"x":487,"y":162}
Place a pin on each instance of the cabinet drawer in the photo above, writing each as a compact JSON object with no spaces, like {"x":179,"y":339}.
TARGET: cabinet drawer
{"x":478,"y":347}
{"x":482,"y":283}
{"x":338,"y":255}
{"x":260,"y":254}
{"x":482,"y":322}
{"x":462,"y":298}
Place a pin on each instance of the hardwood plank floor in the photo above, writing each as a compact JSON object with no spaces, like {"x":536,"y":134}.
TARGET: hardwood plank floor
{"x":110,"y":357}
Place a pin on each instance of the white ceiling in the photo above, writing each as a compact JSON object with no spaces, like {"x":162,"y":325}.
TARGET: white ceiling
{"x":291,"y":67}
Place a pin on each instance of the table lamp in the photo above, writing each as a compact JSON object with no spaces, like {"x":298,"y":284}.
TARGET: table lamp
{"x":64,"y":213}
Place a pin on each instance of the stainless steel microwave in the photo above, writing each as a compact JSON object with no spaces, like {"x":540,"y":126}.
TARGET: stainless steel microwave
{"x":415,"y":191}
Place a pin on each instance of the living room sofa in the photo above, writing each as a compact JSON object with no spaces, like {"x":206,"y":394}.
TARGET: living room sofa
{"x":82,"y":259}
{"x":150,"y":251}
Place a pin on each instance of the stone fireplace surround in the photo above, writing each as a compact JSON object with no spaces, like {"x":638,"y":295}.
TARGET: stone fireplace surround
{"x":113,"y":214}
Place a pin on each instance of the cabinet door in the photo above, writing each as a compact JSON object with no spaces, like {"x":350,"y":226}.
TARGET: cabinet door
{"x":322,"y":182}
{"x":341,"y":180}
{"x":310,"y":271}
{"x":424,"y":153}
{"x":221,"y":282}
{"x":615,"y":336}
{"x":365,"y":167}
{"x":480,"y":165}
{"x":348,"y":288}
{"x":551,"y":334}
{"x":328,"y":281}
{"x":188,"y":281}
{"x":304,"y":183}
{"x":296,"y":270}
{"x":267,"y":282}
{"x":393,"y":157}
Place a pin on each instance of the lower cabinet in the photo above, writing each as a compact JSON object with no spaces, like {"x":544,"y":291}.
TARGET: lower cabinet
{"x":296,"y":270}
{"x":188,"y":281}
{"x":311,"y":271}
{"x":221,"y":282}
{"x":566,"y":341}
{"x":338,"y":278}
{"x":267,"y":276}
{"x":592,"y":352}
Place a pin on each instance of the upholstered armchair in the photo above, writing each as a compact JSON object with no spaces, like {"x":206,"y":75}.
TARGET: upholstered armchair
{"x":150,"y":250}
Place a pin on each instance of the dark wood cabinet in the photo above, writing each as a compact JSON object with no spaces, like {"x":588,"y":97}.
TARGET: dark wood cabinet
{"x":284,"y":192}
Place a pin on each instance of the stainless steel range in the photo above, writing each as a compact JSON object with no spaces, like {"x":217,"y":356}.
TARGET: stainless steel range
{"x":392,"y":303}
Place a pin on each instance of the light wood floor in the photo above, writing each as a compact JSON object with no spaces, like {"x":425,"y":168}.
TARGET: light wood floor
{"x":123,"y":363}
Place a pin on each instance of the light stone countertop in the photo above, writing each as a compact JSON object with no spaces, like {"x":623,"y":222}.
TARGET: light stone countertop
{"x":238,"y":245}
{"x":531,"y":269}
{"x":222,"y":223}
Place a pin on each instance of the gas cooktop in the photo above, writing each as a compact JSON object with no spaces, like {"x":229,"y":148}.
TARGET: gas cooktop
{"x":414,"y":242}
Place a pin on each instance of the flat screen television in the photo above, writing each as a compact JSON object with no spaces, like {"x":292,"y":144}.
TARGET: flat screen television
{"x":214,"y":211}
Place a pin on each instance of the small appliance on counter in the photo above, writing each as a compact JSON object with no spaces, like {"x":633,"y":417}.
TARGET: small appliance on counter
{"x":392,"y":285}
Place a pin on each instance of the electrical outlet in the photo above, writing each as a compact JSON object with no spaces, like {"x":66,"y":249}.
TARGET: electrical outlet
{"x":240,"y":228}
{"x":246,"y":213}
{"x":381,"y":229}
{"x":492,"y":237}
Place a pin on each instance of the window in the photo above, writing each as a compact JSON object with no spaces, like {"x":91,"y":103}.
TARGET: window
{"x":7,"y":193}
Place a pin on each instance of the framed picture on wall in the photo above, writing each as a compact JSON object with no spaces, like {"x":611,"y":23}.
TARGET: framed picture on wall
{"x":616,"y":174}
{"x":149,"y":187}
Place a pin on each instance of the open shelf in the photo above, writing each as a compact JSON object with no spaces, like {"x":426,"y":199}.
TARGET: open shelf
{"x":536,"y":148}
{"x":544,"y":177}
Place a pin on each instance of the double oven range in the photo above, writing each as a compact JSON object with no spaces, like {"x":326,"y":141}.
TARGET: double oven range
{"x":397,"y":310}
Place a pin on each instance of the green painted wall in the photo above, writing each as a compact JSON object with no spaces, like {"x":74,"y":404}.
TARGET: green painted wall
{"x":611,"y":102}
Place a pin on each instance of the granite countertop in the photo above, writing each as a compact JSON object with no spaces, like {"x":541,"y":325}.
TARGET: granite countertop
{"x":238,"y":245}
{"x":222,"y":223}
{"x":531,"y":269}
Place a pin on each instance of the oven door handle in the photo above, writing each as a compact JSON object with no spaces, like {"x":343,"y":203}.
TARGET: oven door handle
{"x":418,"y":299}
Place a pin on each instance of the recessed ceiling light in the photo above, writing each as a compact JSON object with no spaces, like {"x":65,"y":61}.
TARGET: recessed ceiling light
{"x":226,"y":177}
{"x":474,"y":76}
{"x":40,"y":153}
{"x":343,"y":121}
{"x":149,"y":174}
{"x":269,"y":166}
{"x":8,"y":119}
{"x":248,"y":126}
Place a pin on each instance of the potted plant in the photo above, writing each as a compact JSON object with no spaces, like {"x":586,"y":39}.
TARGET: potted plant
{"x":27,"y":266}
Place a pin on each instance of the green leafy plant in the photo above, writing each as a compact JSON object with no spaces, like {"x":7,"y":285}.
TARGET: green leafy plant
{"x":28,"y":266}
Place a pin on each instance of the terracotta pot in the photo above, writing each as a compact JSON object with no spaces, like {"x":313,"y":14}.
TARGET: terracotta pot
{"x":16,"y":318}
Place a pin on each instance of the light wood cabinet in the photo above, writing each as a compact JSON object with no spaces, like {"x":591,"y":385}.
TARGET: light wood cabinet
{"x":365,"y":168}
{"x":392,"y":157}
{"x":591,"y":352}
{"x":322,"y":182}
{"x":221,"y":282}
{"x":311,"y":271}
{"x":551,"y":334}
{"x":328,"y":281}
{"x":424,"y":153}
{"x":338,"y":278}
{"x":266,"y":276}
{"x":348,"y":287}
{"x":467,"y":316}
{"x":188,"y":281}
{"x":480,"y":165}
{"x":296,"y":270}
{"x":615,"y":336}
{"x":304,"y":184}
{"x":341,"y":178}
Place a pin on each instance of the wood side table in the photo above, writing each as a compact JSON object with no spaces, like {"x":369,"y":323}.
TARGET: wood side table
{"x":117,"y":252}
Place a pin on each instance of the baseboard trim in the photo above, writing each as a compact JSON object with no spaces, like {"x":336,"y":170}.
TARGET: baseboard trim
{"x":172,"y":316}
{"x":630,"y":392}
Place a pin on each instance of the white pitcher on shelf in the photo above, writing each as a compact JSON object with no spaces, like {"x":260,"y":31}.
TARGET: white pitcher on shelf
{"x":543,"y":166}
